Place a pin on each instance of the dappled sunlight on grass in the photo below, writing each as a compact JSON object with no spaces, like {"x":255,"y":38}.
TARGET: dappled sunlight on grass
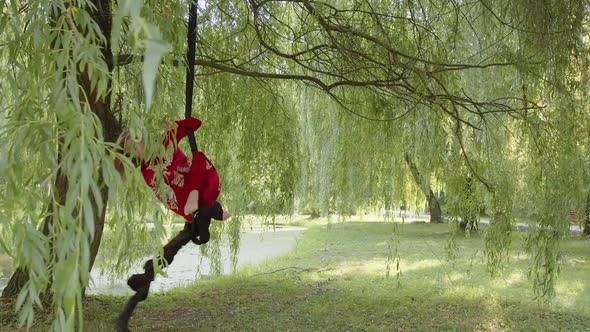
{"x":514,"y":279}
{"x":492,"y":324}
{"x":568,"y":292}
{"x":371,"y":267}
{"x":362,"y":249}
{"x":378,"y":267}
{"x":347,"y":249}
{"x":420,"y":265}
{"x":336,"y":281}
{"x":574,"y":261}
{"x":382,"y":244}
{"x":519,"y":257}
{"x":455,"y":278}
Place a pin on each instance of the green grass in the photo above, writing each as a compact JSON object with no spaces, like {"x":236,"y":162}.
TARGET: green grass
{"x":335,"y":280}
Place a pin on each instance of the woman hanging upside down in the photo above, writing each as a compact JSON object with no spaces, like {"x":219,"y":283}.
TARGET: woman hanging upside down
{"x":193,"y":190}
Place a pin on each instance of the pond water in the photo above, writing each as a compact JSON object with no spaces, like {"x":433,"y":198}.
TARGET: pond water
{"x":257,"y":244}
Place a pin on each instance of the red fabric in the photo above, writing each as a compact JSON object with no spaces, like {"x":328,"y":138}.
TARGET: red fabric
{"x":182,"y":175}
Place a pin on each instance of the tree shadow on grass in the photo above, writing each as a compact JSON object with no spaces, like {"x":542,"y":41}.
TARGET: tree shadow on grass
{"x":341,"y":286}
{"x":319,"y":302}
{"x":351,"y":297}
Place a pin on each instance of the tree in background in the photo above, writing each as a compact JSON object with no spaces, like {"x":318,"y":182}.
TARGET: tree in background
{"x":306,"y":105}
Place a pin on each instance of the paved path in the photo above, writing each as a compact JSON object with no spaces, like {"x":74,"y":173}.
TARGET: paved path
{"x":575,"y":228}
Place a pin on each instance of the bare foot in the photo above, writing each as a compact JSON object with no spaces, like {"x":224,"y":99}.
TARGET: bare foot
{"x":226,"y":215}
{"x":192,"y":203}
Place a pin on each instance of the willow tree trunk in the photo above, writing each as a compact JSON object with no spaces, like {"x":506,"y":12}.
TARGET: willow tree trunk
{"x":470,"y":217}
{"x":111,"y":129}
{"x":434,"y":207}
{"x":433,"y":204}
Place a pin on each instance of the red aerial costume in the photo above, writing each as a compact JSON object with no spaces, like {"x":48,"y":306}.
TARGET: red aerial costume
{"x":182,"y":175}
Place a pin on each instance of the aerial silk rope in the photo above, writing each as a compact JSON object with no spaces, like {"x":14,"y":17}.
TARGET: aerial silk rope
{"x":190,"y":70}
{"x":140,"y":283}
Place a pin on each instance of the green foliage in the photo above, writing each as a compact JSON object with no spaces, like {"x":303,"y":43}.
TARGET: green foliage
{"x":306,"y":106}
{"x":49,"y":134}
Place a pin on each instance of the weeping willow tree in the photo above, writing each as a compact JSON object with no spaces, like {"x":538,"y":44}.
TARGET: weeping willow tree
{"x":307,"y":106}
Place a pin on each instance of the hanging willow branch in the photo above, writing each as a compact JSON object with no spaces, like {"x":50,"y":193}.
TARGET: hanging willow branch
{"x":397,"y":87}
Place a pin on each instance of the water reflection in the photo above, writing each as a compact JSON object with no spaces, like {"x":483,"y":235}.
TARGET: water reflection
{"x":6,"y":269}
{"x":256,"y":245}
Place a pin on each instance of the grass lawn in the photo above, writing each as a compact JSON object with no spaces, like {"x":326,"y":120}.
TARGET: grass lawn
{"x":335,"y":280}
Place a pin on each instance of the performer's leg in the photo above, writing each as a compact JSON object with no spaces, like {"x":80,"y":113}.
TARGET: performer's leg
{"x":137,"y":281}
{"x":202,"y":221}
